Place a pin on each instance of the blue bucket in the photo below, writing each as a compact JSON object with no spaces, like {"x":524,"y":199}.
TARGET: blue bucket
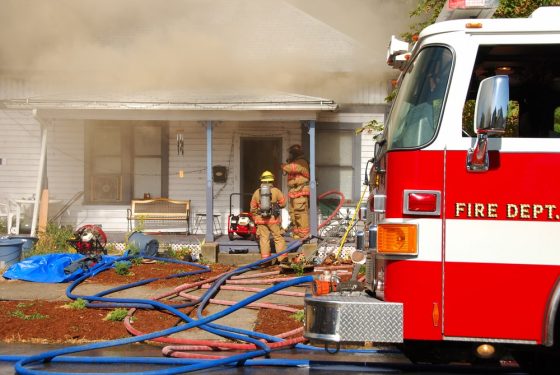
{"x":146,"y":245}
{"x":10,"y":252}
{"x":29,"y":242}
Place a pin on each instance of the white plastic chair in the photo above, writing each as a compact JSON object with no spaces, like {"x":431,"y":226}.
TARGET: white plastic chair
{"x":11,"y":211}
{"x":15,"y":213}
{"x":4,"y":212}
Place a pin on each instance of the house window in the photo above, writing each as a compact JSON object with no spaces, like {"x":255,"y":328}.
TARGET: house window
{"x":125,"y":160}
{"x":337,"y":161}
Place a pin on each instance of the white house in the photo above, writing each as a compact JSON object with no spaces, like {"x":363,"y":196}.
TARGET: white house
{"x":186,"y":89}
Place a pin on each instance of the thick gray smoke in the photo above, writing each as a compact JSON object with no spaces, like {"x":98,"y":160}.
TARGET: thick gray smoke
{"x":314,"y":47}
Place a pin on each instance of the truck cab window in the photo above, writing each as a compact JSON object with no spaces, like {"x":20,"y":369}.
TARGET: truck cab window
{"x":534,"y":73}
{"x":414,"y":119}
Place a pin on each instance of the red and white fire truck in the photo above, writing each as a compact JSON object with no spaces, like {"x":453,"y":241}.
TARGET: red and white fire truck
{"x":465,"y":196}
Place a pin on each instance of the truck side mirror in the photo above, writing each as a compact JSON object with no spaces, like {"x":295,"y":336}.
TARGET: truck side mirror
{"x":489,"y":119}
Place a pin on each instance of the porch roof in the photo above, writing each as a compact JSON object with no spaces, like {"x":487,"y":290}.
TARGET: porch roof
{"x":178,"y":105}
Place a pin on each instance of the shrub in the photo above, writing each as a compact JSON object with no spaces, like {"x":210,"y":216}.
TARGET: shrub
{"x":116,"y":315}
{"x":133,"y":249}
{"x":110,"y":248}
{"x":298,"y":316}
{"x":298,"y":265}
{"x":53,"y":240}
{"x":78,"y":304}
{"x":21,"y":315}
{"x":122,"y":268}
{"x":184,"y":252}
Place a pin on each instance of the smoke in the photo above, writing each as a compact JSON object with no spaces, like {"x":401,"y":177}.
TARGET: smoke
{"x":314,"y":47}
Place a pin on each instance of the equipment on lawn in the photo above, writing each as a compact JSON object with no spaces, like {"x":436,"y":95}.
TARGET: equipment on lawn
{"x":142,"y":244}
{"x":89,"y":240}
{"x":242,"y":225}
{"x":84,"y":264}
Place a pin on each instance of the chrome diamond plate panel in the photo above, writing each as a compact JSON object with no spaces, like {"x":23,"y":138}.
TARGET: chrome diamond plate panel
{"x":341,"y":318}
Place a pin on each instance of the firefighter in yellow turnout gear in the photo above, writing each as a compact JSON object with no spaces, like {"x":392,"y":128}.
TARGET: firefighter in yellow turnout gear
{"x":297,"y":169}
{"x":266,"y":203}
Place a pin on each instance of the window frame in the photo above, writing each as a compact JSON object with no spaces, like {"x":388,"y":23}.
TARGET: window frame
{"x":413,"y":85}
{"x":126,"y":176}
{"x":349,"y":128}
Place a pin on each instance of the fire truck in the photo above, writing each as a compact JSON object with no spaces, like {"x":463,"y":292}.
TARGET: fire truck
{"x":464,"y":209}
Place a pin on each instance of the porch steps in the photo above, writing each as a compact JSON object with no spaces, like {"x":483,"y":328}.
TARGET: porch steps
{"x":238,"y":246}
{"x":236,"y":252}
{"x":238,"y":259}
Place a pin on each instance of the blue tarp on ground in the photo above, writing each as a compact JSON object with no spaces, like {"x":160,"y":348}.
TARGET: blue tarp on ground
{"x":49,"y":268}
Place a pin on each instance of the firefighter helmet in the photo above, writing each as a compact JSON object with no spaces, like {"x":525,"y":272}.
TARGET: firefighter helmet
{"x":296,"y":149}
{"x":267,"y":176}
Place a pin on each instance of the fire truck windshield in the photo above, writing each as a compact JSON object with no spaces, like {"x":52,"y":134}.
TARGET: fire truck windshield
{"x":417,"y":108}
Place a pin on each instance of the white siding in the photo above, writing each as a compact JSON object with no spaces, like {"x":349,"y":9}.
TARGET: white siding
{"x":368,"y":149}
{"x":372,"y":93}
{"x":20,"y":146}
{"x":65,"y":158}
{"x":368,"y":146}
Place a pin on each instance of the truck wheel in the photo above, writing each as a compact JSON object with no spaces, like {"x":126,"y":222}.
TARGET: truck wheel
{"x":253,"y":237}
{"x":231,"y":236}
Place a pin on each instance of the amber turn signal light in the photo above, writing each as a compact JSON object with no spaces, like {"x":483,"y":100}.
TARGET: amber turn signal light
{"x":397,"y":239}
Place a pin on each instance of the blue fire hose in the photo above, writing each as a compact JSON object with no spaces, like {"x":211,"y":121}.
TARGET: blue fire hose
{"x":48,"y":356}
{"x":184,"y":365}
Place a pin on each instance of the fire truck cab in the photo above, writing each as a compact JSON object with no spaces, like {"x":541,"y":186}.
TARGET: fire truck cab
{"x":464,"y":202}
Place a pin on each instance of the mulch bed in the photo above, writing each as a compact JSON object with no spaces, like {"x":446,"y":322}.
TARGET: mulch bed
{"x":144,"y":271}
{"x":52,"y":322}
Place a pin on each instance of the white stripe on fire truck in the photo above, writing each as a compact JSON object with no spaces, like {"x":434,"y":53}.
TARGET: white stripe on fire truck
{"x":502,"y":241}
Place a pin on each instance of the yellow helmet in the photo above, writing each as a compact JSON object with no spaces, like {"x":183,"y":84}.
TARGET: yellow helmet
{"x":267,"y":176}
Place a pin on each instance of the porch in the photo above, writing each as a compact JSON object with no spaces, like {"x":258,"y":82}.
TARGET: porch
{"x":238,"y":251}
{"x":196,"y":136}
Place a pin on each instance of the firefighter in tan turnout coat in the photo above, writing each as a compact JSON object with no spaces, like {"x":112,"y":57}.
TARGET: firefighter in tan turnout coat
{"x":297,"y":169}
{"x":266,"y":203}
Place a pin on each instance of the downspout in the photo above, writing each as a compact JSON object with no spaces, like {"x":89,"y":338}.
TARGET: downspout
{"x":312,"y":183}
{"x":41,"y":172}
{"x":209,"y":186}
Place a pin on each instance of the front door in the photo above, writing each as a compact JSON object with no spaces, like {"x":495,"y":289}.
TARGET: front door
{"x":258,"y":155}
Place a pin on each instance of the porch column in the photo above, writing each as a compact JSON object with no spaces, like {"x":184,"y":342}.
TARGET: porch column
{"x":312,"y":182}
{"x":40,"y":174}
{"x":209,"y":186}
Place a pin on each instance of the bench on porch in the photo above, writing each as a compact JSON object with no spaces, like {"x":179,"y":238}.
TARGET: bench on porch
{"x":160,"y":215}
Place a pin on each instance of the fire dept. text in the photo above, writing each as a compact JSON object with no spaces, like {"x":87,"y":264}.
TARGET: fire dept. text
{"x":507,"y":211}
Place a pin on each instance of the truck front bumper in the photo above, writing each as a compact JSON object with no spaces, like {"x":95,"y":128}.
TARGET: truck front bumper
{"x":341,"y":318}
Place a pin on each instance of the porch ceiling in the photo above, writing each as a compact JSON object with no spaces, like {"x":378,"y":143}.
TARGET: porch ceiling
{"x":177,"y":106}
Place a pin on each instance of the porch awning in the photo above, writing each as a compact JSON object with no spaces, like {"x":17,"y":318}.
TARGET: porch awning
{"x":169,"y":105}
